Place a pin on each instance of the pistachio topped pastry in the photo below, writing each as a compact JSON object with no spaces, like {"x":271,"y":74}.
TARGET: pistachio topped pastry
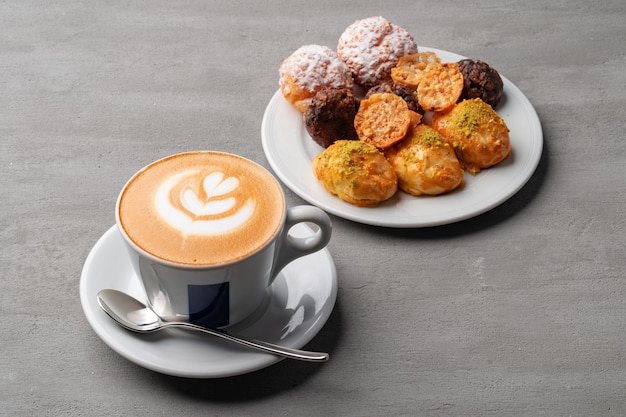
{"x":425,"y":163}
{"x":356,"y":172}
{"x":479,"y":136}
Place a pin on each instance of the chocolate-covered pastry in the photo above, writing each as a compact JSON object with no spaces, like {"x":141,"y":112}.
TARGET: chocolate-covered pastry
{"x":480,"y":81}
{"x":407,"y":93}
{"x":329,"y":116}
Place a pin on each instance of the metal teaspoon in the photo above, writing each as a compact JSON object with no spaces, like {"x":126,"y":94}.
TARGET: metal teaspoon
{"x":133,"y":315}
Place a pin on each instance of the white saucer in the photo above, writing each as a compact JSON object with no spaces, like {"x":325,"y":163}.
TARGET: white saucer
{"x":299,"y":303}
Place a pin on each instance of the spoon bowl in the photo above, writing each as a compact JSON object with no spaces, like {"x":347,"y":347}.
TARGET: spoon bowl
{"x":134,"y":315}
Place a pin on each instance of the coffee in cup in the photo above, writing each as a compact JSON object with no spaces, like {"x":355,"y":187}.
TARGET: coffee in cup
{"x":207,"y":233}
{"x":201,"y":208}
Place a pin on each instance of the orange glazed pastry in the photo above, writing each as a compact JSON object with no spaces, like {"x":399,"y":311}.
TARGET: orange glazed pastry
{"x":410,"y":68}
{"x":356,"y":172}
{"x":309,"y":69}
{"x":440,"y":87}
{"x":382,"y":120}
{"x":425,"y":163}
{"x":477,"y":133}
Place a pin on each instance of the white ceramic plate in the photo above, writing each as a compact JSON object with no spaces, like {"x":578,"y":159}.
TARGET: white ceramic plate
{"x":290,"y":150}
{"x":298,"y":305}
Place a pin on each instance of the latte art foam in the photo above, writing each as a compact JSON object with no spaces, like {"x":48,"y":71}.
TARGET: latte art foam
{"x":201,"y":208}
{"x":199,"y":205}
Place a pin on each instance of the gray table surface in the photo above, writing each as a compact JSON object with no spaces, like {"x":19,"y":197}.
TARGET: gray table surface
{"x":518,"y":312}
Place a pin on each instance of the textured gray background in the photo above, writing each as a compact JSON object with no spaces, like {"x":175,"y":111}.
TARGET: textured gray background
{"x":518,"y":312}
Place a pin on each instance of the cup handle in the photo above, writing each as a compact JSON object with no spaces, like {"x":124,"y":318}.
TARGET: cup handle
{"x":291,"y":247}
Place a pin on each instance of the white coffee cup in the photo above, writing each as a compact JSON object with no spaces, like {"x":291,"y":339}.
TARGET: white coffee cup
{"x":207,"y":234}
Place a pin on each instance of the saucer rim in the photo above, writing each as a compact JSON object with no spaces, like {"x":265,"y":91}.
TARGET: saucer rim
{"x":101,"y":323}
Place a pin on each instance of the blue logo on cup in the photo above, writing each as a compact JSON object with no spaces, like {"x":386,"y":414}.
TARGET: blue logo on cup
{"x":209,"y":304}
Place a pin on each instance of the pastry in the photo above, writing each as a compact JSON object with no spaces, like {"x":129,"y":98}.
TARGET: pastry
{"x":409,"y":68}
{"x":309,"y":69}
{"x":480,"y":81}
{"x":479,"y":136}
{"x":407,"y":93}
{"x":425,"y":163}
{"x":329,"y":116}
{"x":371,"y":47}
{"x":356,"y":172}
{"x":382,"y":120}
{"x":440,"y":87}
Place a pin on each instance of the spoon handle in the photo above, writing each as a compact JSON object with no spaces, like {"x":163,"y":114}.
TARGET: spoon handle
{"x":283,"y":351}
